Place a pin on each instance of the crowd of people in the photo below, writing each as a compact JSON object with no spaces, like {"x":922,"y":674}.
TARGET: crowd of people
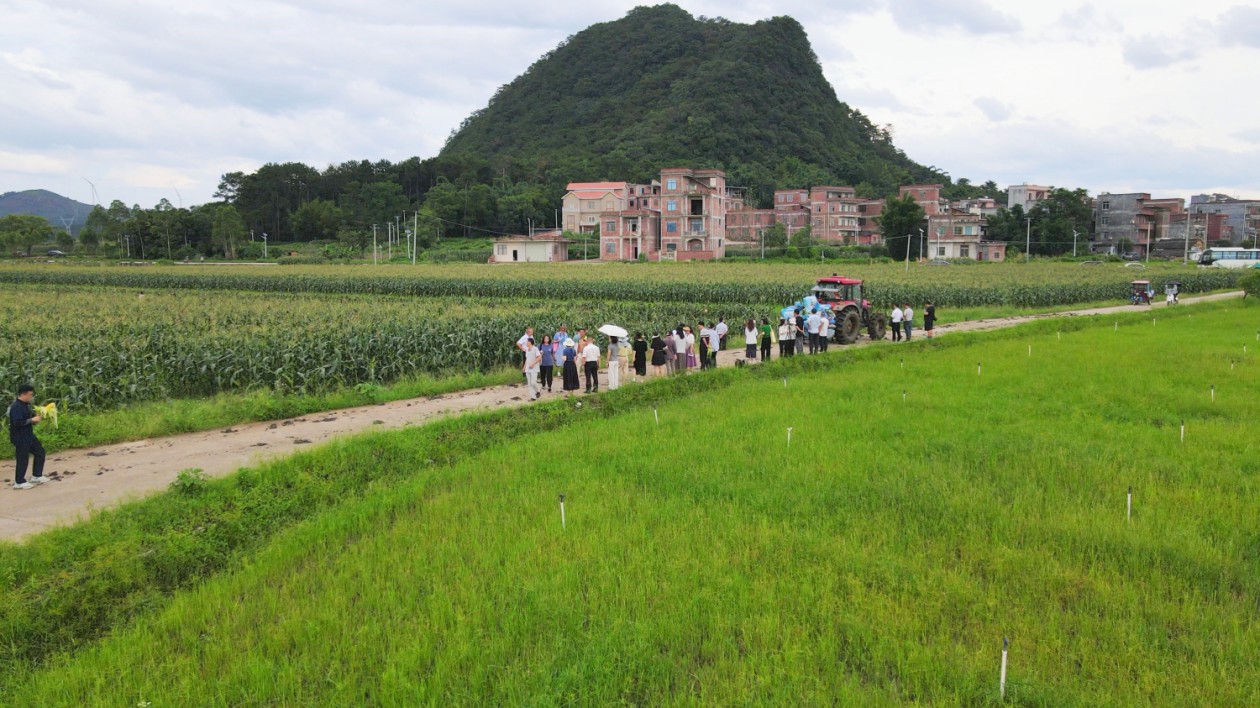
{"x":680,"y":349}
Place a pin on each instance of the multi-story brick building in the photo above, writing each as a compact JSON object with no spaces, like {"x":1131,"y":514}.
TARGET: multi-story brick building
{"x":680,"y":217}
{"x":1242,"y":216}
{"x":869,"y":232}
{"x":927,"y":196}
{"x":958,"y":233}
{"x":586,"y":201}
{"x":1133,"y":217}
{"x":834,"y":216}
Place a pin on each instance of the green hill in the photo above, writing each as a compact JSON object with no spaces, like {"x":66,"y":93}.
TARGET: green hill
{"x":58,"y":210}
{"x":657,"y":88}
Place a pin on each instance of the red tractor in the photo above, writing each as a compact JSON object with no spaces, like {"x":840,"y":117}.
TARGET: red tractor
{"x":852,"y":312}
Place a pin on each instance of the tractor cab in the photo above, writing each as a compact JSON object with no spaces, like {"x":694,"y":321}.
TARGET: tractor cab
{"x":1142,"y":292}
{"x":839,"y":292}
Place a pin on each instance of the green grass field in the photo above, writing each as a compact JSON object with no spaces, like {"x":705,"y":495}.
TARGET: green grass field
{"x":881,"y":559}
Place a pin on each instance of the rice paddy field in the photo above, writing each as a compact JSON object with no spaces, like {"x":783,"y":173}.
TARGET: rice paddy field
{"x":1033,"y":484}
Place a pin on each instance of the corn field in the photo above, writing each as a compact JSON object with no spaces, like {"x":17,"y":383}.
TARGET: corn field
{"x":92,"y":347}
{"x":774,"y":285}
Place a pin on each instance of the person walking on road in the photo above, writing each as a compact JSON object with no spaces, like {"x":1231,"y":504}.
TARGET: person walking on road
{"x":640,"y":348}
{"x":547,"y":367}
{"x":767,"y":338}
{"x":907,"y":320}
{"x":590,"y":365}
{"x":929,"y":319}
{"x":660,"y":352}
{"x":533,"y":362}
{"x":895,"y":321}
{"x":614,"y":363}
{"x":569,"y":374}
{"x":750,"y":340}
{"x":22,"y":422}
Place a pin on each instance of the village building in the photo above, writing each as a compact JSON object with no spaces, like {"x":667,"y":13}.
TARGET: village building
{"x":541,"y":247}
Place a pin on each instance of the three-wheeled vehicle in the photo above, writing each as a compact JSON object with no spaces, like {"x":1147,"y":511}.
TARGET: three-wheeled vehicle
{"x":1142,"y":292}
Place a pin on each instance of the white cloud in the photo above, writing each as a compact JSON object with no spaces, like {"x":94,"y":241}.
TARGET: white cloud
{"x":144,"y":97}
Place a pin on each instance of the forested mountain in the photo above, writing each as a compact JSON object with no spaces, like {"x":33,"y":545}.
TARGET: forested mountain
{"x":659,"y":88}
{"x":58,"y":210}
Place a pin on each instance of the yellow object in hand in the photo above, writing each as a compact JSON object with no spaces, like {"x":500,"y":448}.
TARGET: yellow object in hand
{"x":49,"y":412}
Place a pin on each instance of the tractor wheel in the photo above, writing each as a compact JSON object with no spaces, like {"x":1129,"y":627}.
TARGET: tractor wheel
{"x":878,"y":326}
{"x":848,"y":326}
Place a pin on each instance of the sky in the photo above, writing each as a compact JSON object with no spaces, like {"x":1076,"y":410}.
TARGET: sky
{"x":140,"y":101}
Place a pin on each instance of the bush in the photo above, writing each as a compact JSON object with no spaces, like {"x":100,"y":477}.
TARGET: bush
{"x":1250,"y":283}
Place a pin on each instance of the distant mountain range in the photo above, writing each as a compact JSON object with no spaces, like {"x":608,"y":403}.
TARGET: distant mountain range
{"x":58,"y":210}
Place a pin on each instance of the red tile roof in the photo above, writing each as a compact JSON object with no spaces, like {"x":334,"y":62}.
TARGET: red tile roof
{"x":574,"y":186}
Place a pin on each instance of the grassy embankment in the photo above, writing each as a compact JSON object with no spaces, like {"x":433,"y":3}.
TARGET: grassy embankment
{"x":881,"y":558}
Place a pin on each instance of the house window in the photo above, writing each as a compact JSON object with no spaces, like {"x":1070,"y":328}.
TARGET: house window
{"x":610,"y":226}
{"x":611,"y":248}
{"x":1106,"y":219}
{"x":671,"y":184}
{"x":671,"y":247}
{"x":964,"y":251}
{"x":608,"y":205}
{"x":958,"y":231}
{"x":590,"y":204}
{"x":696,"y":226}
{"x":502,"y":249}
{"x":671,"y":227}
{"x":671,"y":205}
{"x":1106,"y":205}
{"x":940,"y":251}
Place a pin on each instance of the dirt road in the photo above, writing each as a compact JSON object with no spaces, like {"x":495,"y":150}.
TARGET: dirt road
{"x":86,"y":479}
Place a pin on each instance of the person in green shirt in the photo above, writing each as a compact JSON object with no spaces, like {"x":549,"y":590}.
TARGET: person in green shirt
{"x":767,"y":338}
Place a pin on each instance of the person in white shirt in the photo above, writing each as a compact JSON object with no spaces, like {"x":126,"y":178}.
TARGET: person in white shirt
{"x":722,"y":329}
{"x":533,"y":360}
{"x":787,"y":338}
{"x":907,"y":320}
{"x":896,"y":323}
{"x":811,"y":325}
{"x":824,"y":330}
{"x":750,"y":340}
{"x":590,"y":365}
{"x":523,"y":342}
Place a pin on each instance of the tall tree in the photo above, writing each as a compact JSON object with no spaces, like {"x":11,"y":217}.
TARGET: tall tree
{"x":228,"y":231}
{"x":900,"y":223}
{"x":25,"y":230}
{"x":316,"y":220}
{"x":1056,"y":217}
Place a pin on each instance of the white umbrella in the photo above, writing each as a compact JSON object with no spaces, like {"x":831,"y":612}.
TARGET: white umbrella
{"x":613,"y":330}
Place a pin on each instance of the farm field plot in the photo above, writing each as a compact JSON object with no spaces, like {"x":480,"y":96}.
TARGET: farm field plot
{"x":1039,"y":284}
{"x":94,"y":347}
{"x":933,"y":500}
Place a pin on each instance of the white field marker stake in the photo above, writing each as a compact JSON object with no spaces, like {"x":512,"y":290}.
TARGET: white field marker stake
{"x":1117,"y":327}
{"x":903,"y":363}
{"x":789,"y":437}
{"x":1152,"y":321}
{"x":1213,"y":389}
{"x":1002,"y":681}
{"x":903,"y":396}
{"x":1030,"y":350}
{"x":1231,"y":364}
{"x":784,"y":382}
{"x":977,"y":368}
{"x":1183,"y":430}
{"x":562,"y":523}
{"x":1128,"y":510}
{"x":657,"y":415}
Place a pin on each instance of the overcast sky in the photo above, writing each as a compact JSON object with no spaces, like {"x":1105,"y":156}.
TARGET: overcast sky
{"x":151,"y":100}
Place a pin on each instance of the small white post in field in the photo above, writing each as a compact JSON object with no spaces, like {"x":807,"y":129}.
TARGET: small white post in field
{"x":656,"y":415}
{"x":562,"y":523}
{"x":1213,"y":389}
{"x":903,"y":396}
{"x":1060,"y":335}
{"x":1002,"y":681}
{"x":1183,"y":430}
{"x":1128,"y":510}
{"x":789,"y":437}
{"x":1117,"y":326}
{"x":1231,"y":364}
{"x":784,"y":382}
{"x":1152,"y":321}
{"x":1030,"y":350}
{"x":978,"y":368}
{"x":903,"y":363}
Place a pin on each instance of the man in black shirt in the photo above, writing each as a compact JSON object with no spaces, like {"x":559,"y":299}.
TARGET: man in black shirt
{"x":22,"y":420}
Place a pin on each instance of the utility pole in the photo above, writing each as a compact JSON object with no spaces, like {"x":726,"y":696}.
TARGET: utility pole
{"x":1186,"y":255}
{"x":415,"y":237}
{"x":373,"y":244}
{"x":1028,"y":239}
{"x":908,"y":237}
{"x":1074,"y":243}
